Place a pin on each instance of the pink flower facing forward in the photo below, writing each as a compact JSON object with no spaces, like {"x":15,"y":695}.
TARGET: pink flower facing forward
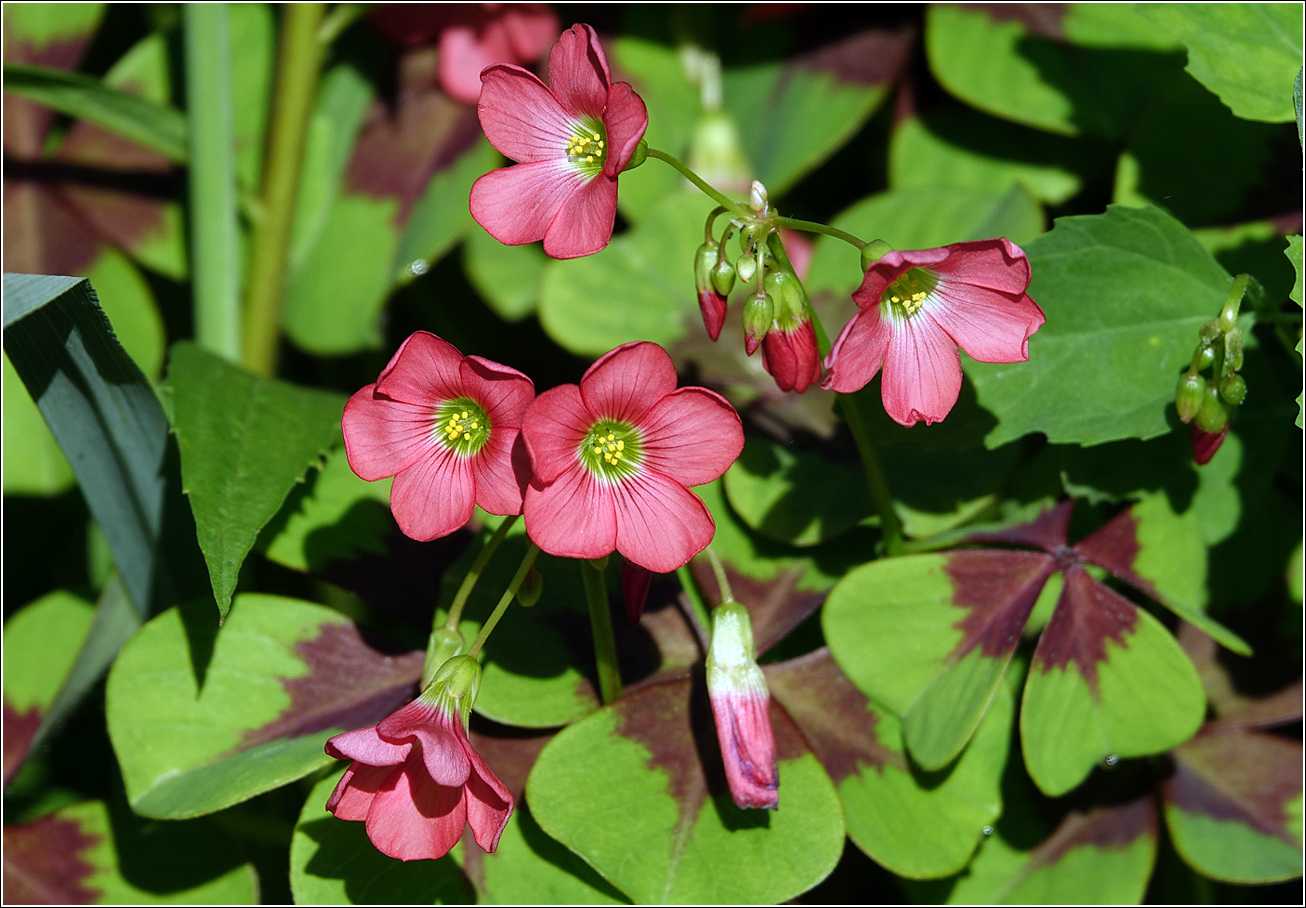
{"x":572,"y":140}
{"x":918,"y":307}
{"x":741,"y":708}
{"x":446,"y":427}
{"x":613,"y":458}
{"x":415,"y":778}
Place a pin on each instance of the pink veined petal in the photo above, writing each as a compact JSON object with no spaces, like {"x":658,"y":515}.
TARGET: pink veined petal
{"x":365,"y":745}
{"x":692,"y":436}
{"x":384,"y":437}
{"x":747,"y":749}
{"x":503,"y":470}
{"x":435,"y":496}
{"x":858,"y":352}
{"x":625,"y":382}
{"x":660,"y":523}
{"x":583,"y":225}
{"x":991,"y":327}
{"x":352,"y":799}
{"x":887,"y":269}
{"x":922,"y":373}
{"x":521,"y":117}
{"x":530,"y":28}
{"x":553,"y":428}
{"x":624,"y":122}
{"x":424,"y":370}
{"x":489,"y":805}
{"x":578,"y":72}
{"x":996,"y":264}
{"x":572,"y":517}
{"x":463,"y":55}
{"x":438,"y":739}
{"x":516,"y":205}
{"x":504,"y":392}
{"x":416,"y":818}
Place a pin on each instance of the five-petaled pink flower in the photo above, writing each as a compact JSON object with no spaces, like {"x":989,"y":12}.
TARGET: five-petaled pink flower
{"x":741,"y":706}
{"x":446,"y":427}
{"x":416,"y":780}
{"x":572,"y":138}
{"x":612,"y":460}
{"x":917,"y":307}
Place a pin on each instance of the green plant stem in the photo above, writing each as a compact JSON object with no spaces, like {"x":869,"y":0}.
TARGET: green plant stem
{"x":698,"y":613}
{"x":517,"y":579}
{"x":719,"y":569}
{"x":339,"y":19}
{"x":215,"y":248}
{"x":890,"y":528}
{"x":1232,"y":301}
{"x":469,"y":582}
{"x":704,"y":187}
{"x":605,"y":645}
{"x":814,"y":227}
{"x":299,"y":65}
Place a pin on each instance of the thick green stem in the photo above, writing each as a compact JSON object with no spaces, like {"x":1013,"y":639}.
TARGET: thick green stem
{"x":469,"y":582}
{"x":814,"y":227}
{"x":298,"y":68}
{"x":215,"y":247}
{"x":504,"y":601}
{"x":707,"y":189}
{"x":890,"y":528}
{"x":605,"y":644}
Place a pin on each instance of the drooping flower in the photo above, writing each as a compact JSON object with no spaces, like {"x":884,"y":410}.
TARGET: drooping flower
{"x":917,"y":307}
{"x":572,"y":138}
{"x":789,"y":353}
{"x":416,"y":779}
{"x":741,"y":708}
{"x":446,"y":427}
{"x":613,"y":458}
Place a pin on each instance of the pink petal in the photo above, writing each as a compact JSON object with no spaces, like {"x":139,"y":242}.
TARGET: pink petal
{"x":990,"y":326}
{"x":365,"y":745}
{"x":553,"y":428}
{"x":416,"y":818}
{"x":743,"y":724}
{"x":424,"y":370}
{"x":489,"y":803}
{"x":858,"y":352}
{"x":438,"y":739}
{"x":530,"y":28}
{"x":887,"y":269}
{"x":503,"y":470}
{"x":692,"y":436}
{"x":383,"y":436}
{"x":463,"y":56}
{"x":996,"y":264}
{"x":922,"y":372}
{"x":352,"y":799}
{"x":660,"y":523}
{"x":435,"y":496}
{"x":578,"y":72}
{"x":583,"y":225}
{"x":521,"y":117}
{"x":501,"y":390}
{"x":624,"y":122}
{"x":572,"y":517}
{"x":516,"y":205}
{"x":624,"y":383}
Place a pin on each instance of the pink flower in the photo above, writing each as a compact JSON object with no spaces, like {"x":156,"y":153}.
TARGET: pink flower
{"x":572,"y":140}
{"x":918,"y":307}
{"x":416,"y":780}
{"x":446,"y":427}
{"x":789,"y":353}
{"x":741,"y":708}
{"x":613,"y":458}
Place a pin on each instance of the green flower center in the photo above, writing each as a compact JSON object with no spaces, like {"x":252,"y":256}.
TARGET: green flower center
{"x":908,"y":293}
{"x":462,"y":426}
{"x":611,"y":449}
{"x":587,"y":145}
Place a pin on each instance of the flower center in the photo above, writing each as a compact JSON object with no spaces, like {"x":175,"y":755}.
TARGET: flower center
{"x":908,"y":293}
{"x":587,"y":145}
{"x":462,"y":426}
{"x":611,"y":449}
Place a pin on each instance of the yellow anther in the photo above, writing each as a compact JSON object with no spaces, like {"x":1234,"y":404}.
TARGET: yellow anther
{"x":596,"y":137}
{"x":611,"y":437}
{"x":598,"y":450}
{"x":464,"y":414}
{"x":621,"y":446}
{"x":894,"y":299}
{"x":616,"y":457}
{"x":589,"y":159}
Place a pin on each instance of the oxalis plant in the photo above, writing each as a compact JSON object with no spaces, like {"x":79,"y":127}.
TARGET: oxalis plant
{"x":843,"y":454}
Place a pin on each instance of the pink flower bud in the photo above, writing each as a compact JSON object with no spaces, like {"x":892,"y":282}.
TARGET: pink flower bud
{"x":741,"y":707}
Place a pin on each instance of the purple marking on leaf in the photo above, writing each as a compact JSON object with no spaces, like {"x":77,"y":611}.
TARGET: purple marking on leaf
{"x":44,"y":233}
{"x":1040,"y":19}
{"x":835,"y":717}
{"x":1115,"y":547}
{"x":775,"y":606}
{"x":19,"y":730}
{"x":1087,"y":615}
{"x":1103,"y":827}
{"x":1047,"y":532}
{"x":1231,"y":706}
{"x":27,"y":122}
{"x":44,"y":863}
{"x":998,"y":589}
{"x":870,"y":57}
{"x":354,"y":680}
{"x":1234,"y":774}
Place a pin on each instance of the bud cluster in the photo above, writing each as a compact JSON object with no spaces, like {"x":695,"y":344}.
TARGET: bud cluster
{"x":1210,"y":403}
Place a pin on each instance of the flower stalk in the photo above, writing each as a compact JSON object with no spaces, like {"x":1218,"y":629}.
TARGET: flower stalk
{"x":605,"y":644}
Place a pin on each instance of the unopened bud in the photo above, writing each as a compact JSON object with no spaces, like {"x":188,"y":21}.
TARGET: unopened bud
{"x":1188,"y":395}
{"x":1233,"y":390}
{"x":757,"y":197}
{"x":1206,"y":358}
{"x":532,"y":586}
{"x":1212,"y":416}
{"x":759,"y":313}
{"x":705,"y":260}
{"x":443,"y":644}
{"x":1210,"y":331}
{"x":741,"y":709}
{"x":723,"y":277}
{"x":459,"y":679}
{"x":640,"y":155}
{"x":746,"y":267}
{"x":873,"y":252}
{"x":787,"y":296}
{"x":1233,"y":350}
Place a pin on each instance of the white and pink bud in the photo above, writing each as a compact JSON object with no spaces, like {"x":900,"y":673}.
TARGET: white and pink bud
{"x":741,"y":707}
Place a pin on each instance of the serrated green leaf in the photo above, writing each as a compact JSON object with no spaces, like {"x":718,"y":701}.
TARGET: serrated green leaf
{"x":245,"y":441}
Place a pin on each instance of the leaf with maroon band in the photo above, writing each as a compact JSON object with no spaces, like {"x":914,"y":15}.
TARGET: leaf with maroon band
{"x":1234,"y":805}
{"x":916,"y":826}
{"x":775,"y":606}
{"x":1107,"y":680}
{"x":203,"y":717}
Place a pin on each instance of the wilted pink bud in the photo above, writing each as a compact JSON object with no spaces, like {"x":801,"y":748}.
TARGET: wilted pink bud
{"x":741,"y":707}
{"x":635,"y":581}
